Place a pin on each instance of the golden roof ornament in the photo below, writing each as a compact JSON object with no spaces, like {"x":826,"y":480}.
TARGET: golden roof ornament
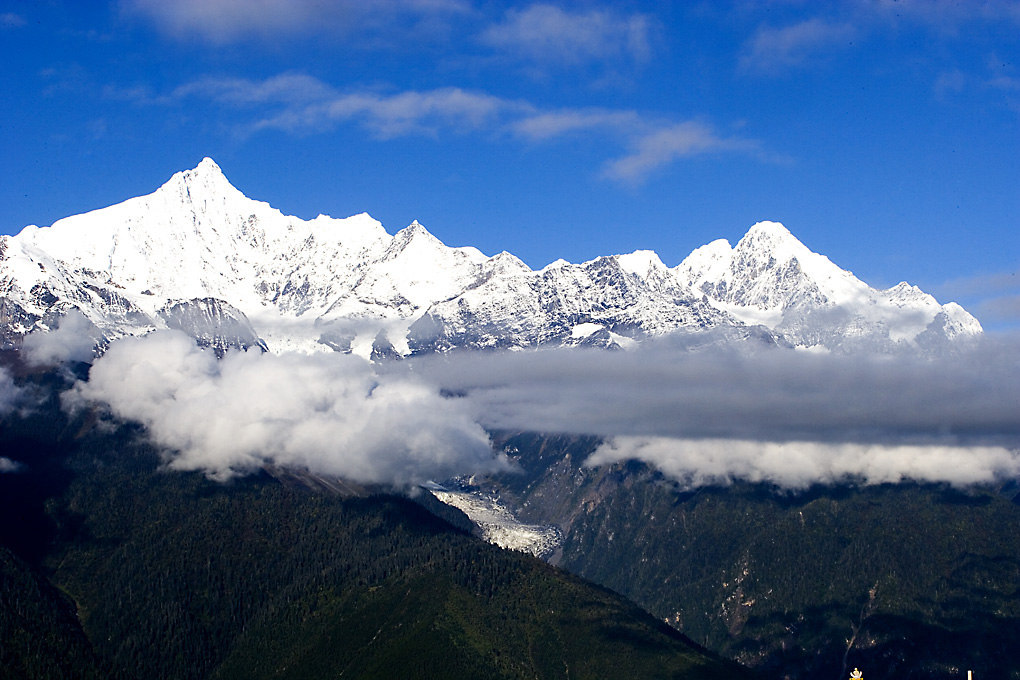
{"x":856,"y":675}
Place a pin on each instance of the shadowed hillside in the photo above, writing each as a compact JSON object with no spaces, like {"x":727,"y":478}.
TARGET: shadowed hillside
{"x":176,"y":576}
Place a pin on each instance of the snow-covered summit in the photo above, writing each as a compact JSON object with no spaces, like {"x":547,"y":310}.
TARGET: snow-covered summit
{"x":771,"y":278}
{"x":200,"y":247}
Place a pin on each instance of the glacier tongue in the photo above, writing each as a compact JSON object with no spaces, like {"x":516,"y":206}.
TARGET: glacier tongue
{"x":347,"y":285}
{"x":496,"y":523}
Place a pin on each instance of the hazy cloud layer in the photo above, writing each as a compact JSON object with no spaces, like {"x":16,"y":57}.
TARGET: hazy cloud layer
{"x":700,"y":413}
{"x":71,"y":340}
{"x":330,"y":414}
{"x":778,"y":415}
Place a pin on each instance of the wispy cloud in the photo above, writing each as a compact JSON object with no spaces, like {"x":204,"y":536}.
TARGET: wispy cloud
{"x":224,"y":21}
{"x":295,"y":89}
{"x":549,"y":35}
{"x":772,"y":50}
{"x":551,"y":124}
{"x":304,"y":103}
{"x":300,"y":104}
{"x":663,"y":146}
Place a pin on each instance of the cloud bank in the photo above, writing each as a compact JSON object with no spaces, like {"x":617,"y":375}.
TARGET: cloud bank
{"x":787,"y":417}
{"x":799,"y":464}
{"x":701,"y":413}
{"x":330,"y":414}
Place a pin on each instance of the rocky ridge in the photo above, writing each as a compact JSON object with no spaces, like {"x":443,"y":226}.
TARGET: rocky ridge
{"x":200,"y":256}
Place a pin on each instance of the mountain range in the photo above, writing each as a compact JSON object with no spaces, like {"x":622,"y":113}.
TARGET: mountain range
{"x":267,"y":565}
{"x":199,"y":256}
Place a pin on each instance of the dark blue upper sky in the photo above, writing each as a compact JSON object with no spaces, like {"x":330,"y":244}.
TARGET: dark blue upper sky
{"x":885,"y":134}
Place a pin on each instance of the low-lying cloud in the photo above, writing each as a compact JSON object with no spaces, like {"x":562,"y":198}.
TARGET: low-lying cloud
{"x":700,"y":413}
{"x":782,"y":416}
{"x":799,"y":464}
{"x":331,"y":414}
{"x":10,"y":393}
{"x":72,"y":339}
{"x":7,"y":465}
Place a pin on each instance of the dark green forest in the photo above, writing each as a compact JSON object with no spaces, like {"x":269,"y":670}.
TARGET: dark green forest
{"x":905,"y":580}
{"x":111,"y":566}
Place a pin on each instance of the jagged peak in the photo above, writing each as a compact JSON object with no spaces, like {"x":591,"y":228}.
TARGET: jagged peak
{"x":206,"y":177}
{"x":710,"y":261}
{"x":208,"y":165}
{"x":556,"y":264}
{"x":507,"y":262}
{"x":770,"y":228}
{"x":772,"y":241}
{"x":415,"y":231}
{"x":640,"y":262}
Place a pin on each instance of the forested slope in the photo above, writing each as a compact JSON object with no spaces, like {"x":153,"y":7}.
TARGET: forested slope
{"x":904,"y":579}
{"x":177,"y":576}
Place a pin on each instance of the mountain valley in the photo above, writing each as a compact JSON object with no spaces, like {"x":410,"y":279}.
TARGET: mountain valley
{"x":235,"y":443}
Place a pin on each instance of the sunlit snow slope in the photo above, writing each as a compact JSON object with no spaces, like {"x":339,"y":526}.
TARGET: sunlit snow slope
{"x":199,"y":254}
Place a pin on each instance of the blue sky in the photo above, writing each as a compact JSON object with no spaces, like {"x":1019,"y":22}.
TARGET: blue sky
{"x":885,"y":134}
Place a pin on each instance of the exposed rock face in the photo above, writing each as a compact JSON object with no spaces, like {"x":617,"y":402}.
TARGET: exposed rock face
{"x":213,"y":323}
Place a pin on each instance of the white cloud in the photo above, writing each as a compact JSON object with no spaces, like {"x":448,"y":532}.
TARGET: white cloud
{"x":775,"y":49}
{"x":304,"y":103}
{"x":331,"y":414}
{"x":550,"y":124}
{"x":394,"y":115}
{"x":709,"y":415}
{"x":799,"y":464}
{"x":72,"y":340}
{"x":284,"y":88}
{"x":665,"y":145}
{"x":8,"y":465}
{"x":298,"y":103}
{"x":549,"y":35}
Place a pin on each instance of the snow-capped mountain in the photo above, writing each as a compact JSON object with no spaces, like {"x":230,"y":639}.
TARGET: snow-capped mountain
{"x":199,"y":256}
{"x":773,"y":279}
